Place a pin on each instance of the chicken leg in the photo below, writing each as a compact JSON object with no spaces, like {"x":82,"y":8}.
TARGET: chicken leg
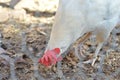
{"x":103,"y":32}
{"x":96,"y":52}
{"x":101,"y":37}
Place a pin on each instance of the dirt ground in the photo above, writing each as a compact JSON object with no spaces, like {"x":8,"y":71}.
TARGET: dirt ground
{"x":23,"y":37}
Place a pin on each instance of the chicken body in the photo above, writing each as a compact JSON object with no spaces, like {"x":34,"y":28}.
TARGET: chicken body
{"x":74,"y":18}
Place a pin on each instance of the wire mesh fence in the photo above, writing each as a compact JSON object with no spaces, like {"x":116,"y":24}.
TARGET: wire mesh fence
{"x":24,"y":36}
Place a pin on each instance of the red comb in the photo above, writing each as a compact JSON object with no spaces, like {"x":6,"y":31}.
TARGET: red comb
{"x":57,"y":50}
{"x":50,"y":57}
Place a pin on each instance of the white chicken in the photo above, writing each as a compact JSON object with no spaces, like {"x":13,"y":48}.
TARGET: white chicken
{"x":74,"y":18}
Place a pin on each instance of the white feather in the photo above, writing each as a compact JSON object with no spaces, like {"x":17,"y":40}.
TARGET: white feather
{"x":77,"y":17}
